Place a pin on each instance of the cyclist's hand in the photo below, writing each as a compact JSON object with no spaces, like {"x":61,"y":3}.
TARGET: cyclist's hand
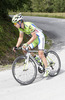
{"x":14,"y":49}
{"x":25,"y":45}
{"x":24,"y":48}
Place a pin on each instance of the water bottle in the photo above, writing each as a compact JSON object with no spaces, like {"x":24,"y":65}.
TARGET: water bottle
{"x":41,"y":67}
{"x":37,"y":58}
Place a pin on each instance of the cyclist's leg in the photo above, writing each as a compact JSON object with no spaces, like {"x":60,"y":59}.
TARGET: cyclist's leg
{"x":41,"y":46}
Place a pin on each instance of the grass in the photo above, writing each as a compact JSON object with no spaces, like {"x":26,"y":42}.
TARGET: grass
{"x":5,"y":67}
{"x":8,"y":38}
{"x":40,"y":14}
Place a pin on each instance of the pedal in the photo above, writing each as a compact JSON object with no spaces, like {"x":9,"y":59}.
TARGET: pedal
{"x":51,"y":65}
{"x":41,"y":69}
{"x":25,"y":69}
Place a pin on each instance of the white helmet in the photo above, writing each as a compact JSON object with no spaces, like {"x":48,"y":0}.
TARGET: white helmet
{"x":17,"y":17}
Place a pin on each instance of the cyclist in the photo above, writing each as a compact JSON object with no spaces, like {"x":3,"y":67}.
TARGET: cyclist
{"x":37,"y":37}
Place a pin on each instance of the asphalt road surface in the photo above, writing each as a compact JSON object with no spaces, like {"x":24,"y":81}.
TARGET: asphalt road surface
{"x":50,"y":88}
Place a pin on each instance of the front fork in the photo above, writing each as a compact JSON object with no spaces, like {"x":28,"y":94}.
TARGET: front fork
{"x":26,"y":62}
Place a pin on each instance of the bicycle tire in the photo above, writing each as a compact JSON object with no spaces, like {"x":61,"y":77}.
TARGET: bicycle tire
{"x":21,"y":81}
{"x":53,"y":53}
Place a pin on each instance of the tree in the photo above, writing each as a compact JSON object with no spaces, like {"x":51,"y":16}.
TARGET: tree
{"x":59,"y":5}
{"x":48,"y":5}
{"x":3,"y":8}
{"x":11,"y":5}
{"x":42,"y":5}
{"x":37,"y":5}
{"x":31,"y":5}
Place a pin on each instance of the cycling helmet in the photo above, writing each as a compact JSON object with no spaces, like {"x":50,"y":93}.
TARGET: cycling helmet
{"x":17,"y":17}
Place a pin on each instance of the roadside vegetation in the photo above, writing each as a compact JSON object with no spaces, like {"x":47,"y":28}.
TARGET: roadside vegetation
{"x":40,"y":14}
{"x":8,"y":38}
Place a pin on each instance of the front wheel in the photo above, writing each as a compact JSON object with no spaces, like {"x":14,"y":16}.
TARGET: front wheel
{"x":53,"y":62}
{"x":24,"y":73}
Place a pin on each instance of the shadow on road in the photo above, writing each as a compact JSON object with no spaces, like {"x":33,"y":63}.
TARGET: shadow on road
{"x":40,"y":76}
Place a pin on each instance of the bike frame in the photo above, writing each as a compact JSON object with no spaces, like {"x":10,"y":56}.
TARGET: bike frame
{"x":28,"y":54}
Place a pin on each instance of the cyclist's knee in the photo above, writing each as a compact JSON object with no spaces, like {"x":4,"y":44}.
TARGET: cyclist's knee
{"x":41,"y":55}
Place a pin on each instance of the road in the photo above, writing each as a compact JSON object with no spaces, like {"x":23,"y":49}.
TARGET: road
{"x":50,"y":88}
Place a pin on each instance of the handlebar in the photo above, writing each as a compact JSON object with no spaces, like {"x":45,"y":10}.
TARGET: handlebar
{"x":27,"y":49}
{"x":22,"y":48}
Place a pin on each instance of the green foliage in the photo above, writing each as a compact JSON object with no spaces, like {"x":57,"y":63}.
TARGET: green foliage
{"x":59,"y":5}
{"x":31,"y":6}
{"x":3,"y":8}
{"x":8,"y":39}
{"x":48,"y":5}
{"x":6,"y":5}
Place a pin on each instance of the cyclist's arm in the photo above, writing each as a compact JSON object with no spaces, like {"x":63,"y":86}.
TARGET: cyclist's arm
{"x":20,"y":39}
{"x":34,"y":36}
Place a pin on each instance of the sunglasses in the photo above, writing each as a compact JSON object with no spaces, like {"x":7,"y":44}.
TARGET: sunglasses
{"x":15,"y":23}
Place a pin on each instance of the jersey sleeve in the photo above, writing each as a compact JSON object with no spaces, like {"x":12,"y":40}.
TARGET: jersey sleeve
{"x":20,"y":31}
{"x":31,"y":28}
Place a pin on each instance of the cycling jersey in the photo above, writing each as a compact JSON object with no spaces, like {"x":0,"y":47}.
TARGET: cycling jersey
{"x":29,"y":27}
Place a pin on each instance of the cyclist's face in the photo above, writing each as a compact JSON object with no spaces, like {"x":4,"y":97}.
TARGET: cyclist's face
{"x":16,"y":25}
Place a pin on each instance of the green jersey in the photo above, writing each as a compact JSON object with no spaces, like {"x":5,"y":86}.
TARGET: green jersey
{"x":29,"y":27}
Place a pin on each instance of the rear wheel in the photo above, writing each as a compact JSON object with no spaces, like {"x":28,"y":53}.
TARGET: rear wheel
{"x":54,"y":63}
{"x":24,"y":73}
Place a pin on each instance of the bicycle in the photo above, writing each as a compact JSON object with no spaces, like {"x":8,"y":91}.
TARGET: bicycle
{"x":24,"y":67}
